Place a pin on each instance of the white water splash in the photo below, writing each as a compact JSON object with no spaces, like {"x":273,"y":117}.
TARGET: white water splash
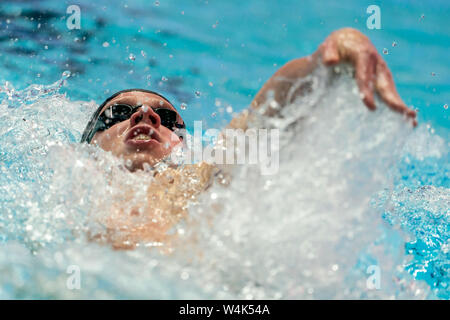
{"x":308,"y":232}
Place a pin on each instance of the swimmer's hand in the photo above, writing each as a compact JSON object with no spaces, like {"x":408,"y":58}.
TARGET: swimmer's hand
{"x":371,"y":70}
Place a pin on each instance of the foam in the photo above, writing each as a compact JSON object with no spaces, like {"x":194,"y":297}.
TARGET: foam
{"x":310,"y":231}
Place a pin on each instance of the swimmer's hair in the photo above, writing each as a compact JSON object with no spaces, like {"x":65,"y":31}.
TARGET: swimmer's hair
{"x":87,"y":134}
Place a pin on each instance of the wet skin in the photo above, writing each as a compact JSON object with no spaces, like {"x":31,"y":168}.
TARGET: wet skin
{"x":121,"y":140}
{"x":345,"y":45}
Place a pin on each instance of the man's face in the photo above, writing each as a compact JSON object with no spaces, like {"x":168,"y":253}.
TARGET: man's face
{"x":142,"y":138}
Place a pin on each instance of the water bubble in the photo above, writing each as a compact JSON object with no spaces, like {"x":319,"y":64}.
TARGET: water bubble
{"x":198,"y":94}
{"x":183,"y":106}
{"x":394,"y":43}
{"x":210,"y":84}
{"x":132,"y":57}
{"x":147,"y":167}
{"x":105,"y":44}
{"x":445,"y":106}
{"x":156,"y":3}
{"x":143,"y":53}
{"x":274,"y":104}
{"x":385,"y":51}
{"x":164,"y":78}
{"x":66,"y":74}
{"x":433,"y":74}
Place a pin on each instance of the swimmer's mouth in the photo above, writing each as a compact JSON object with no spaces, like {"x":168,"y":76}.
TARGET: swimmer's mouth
{"x":142,"y":134}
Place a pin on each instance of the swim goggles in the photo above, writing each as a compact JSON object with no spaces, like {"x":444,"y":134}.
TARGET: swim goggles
{"x":116,"y":113}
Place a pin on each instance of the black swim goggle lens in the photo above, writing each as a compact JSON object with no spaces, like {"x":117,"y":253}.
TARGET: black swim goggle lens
{"x":121,"y":112}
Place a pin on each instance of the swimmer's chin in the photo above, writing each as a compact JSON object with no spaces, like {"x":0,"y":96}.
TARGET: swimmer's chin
{"x":142,"y":165}
{"x":148,"y":164}
{"x":140,"y":162}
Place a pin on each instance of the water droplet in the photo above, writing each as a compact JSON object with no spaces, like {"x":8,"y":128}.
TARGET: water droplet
{"x":164,"y":78}
{"x":132,"y":57}
{"x":445,"y":106}
{"x":105,"y":44}
{"x":183,"y":106}
{"x":156,"y":3}
{"x":143,"y":53}
{"x":385,"y":51}
{"x":274,"y":104}
{"x":433,"y":74}
{"x":211,"y":84}
{"x":198,"y":94}
{"x":66,"y":74}
{"x":394,"y":43}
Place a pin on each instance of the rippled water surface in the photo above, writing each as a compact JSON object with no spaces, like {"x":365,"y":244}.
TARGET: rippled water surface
{"x":355,"y":189}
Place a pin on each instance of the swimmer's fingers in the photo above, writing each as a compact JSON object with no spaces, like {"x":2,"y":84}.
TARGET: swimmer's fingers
{"x":365,"y":66}
{"x":330,"y":53}
{"x":386,"y":88}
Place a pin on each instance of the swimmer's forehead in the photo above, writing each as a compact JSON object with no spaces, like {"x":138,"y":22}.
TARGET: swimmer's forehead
{"x":135,"y":98}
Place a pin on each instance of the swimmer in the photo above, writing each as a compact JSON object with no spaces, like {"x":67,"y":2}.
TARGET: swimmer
{"x":141,"y":127}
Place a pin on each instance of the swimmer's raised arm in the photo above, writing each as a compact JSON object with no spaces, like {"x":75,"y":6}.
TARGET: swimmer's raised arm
{"x":344,"y":45}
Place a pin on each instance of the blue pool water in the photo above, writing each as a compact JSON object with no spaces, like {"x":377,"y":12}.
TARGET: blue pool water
{"x":322,"y":225}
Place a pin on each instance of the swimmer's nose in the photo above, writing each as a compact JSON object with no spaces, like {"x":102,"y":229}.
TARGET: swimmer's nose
{"x":145,"y":114}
